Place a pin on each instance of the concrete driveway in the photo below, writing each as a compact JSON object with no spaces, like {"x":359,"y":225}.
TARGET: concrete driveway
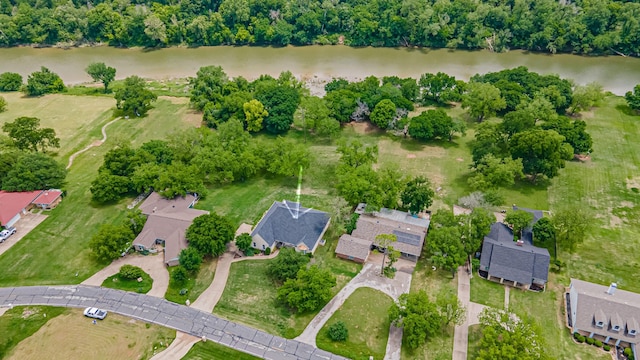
{"x":26,"y":223}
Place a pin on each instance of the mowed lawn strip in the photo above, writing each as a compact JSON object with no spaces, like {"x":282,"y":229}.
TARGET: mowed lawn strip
{"x":365,"y":315}
{"x":61,"y":241}
{"x":486,"y":292}
{"x":213,"y":351}
{"x":20,"y":322}
{"x":115,"y":337}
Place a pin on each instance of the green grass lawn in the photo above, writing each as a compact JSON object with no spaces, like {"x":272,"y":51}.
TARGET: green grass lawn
{"x":487,"y":292}
{"x":194,"y":286}
{"x":21,"y":322}
{"x":213,"y":351}
{"x":440,"y":346}
{"x":120,"y":283}
{"x":367,"y":322}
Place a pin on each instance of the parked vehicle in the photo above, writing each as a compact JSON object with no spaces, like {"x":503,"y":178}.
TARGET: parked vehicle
{"x":4,"y":234}
{"x":95,"y":313}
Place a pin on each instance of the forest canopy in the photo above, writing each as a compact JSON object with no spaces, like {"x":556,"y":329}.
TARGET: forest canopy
{"x":584,"y":27}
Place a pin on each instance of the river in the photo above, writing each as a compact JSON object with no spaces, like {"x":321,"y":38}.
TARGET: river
{"x":615,"y":73}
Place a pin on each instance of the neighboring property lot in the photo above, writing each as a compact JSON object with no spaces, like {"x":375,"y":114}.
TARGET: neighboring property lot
{"x":26,"y":223}
{"x":365,"y":314}
{"x":115,"y":337}
{"x":211,"y":350}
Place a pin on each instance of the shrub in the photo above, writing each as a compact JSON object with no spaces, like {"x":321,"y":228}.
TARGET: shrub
{"x":338,"y":331}
{"x":580,"y":339}
{"x":130,"y":272}
{"x":179,"y":275}
{"x":597,"y":343}
{"x":590,"y":341}
{"x":267,"y":251}
{"x":606,"y":347}
{"x":494,"y":198}
{"x":3,"y":104}
{"x":576,"y":335}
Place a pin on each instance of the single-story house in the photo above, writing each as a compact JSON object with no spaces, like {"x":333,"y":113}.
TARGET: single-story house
{"x":604,"y":313}
{"x":352,"y":248}
{"x":15,"y":204}
{"x":289,"y":224}
{"x":519,"y":264}
{"x":48,"y":199}
{"x":409,"y":230}
{"x":167,"y":223}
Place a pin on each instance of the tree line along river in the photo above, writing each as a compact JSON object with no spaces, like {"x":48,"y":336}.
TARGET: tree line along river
{"x":615,"y":73}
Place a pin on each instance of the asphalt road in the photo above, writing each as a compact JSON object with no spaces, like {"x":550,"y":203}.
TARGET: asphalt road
{"x":165,"y":313}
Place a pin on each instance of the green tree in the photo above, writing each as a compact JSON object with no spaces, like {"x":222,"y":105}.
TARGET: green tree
{"x":107,"y":188}
{"x":130,"y":272}
{"x":519,"y":220}
{"x":281,"y":102}
{"x":110,"y":242}
{"x":27,"y":134}
{"x":191,"y":259}
{"x":254,"y":113}
{"x":179,"y":275}
{"x":474,"y":227}
{"x":10,"y":81}
{"x":542,"y":152}
{"x":544,"y":233}
{"x":34,"y":172}
{"x":3,"y":104}
{"x":210,"y":234}
{"x":384,"y":242}
{"x":286,"y":265}
{"x":383,"y":113}
{"x":572,"y":224}
{"x":633,"y":98}
{"x":309,"y":291}
{"x":338,"y":331}
{"x":358,"y":185}
{"x":517,"y":121}
{"x":446,"y":248}
{"x":417,"y":195}
{"x":341,"y":104}
{"x":43,"y":82}
{"x":421,"y":126}
{"x":419,"y":318}
{"x":179,"y":179}
{"x":440,"y":88}
{"x":135,"y":221}
{"x":483,"y":100}
{"x":134,"y":99}
{"x":101,"y":72}
{"x":451,"y":310}
{"x":207,"y":86}
{"x":243,"y":242}
{"x":285,"y":157}
{"x":585,"y":97}
{"x":508,"y":336}
{"x":355,"y":154}
{"x":491,"y":172}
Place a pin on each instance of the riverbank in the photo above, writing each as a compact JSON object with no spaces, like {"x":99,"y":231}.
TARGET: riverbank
{"x":615,"y":73}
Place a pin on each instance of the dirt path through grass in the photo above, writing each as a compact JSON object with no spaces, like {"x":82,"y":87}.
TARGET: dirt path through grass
{"x":93,"y":144}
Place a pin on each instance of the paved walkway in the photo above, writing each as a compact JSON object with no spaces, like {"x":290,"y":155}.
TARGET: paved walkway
{"x":162,"y":312}
{"x":151,"y":264}
{"x":507,"y":290}
{"x":461,"y":335}
{"x":368,"y":277}
{"x":93,"y":144}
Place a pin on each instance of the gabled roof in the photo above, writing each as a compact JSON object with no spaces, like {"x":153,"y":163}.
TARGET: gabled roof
{"x":593,"y":304}
{"x":11,"y":203}
{"x":155,"y":203}
{"x":502,"y":257}
{"x":47,"y":197}
{"x":292,"y":224}
{"x":352,"y":246}
{"x":410,"y":237}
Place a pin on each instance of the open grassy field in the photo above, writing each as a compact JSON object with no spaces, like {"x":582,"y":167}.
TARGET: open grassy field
{"x":367,"y":321}
{"x":73,"y":336}
{"x":195,"y":285}
{"x":440,"y":346}
{"x":486,"y":292}
{"x":120,"y":283}
{"x":20,"y":322}
{"x":214,"y":351}
{"x":56,"y":251}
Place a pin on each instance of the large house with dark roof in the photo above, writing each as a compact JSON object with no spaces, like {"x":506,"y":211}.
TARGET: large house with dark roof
{"x":519,"y":264}
{"x":290,"y":224}
{"x":409,"y":230}
{"x":167,"y":223}
{"x":604,"y":313}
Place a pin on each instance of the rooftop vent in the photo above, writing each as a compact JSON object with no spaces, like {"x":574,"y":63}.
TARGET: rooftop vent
{"x":612,"y":288}
{"x":519,"y":242}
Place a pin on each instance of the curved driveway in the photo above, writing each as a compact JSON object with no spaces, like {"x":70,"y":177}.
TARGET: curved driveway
{"x":165,"y":313}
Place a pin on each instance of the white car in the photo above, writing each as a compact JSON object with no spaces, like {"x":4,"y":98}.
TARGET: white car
{"x":4,"y":234}
{"x":95,"y":313}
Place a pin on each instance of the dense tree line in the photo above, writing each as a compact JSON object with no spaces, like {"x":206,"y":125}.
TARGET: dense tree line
{"x":597,"y":26}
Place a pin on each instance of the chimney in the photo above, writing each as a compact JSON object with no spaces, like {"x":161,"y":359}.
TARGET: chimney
{"x":155,"y":208}
{"x":612,"y":288}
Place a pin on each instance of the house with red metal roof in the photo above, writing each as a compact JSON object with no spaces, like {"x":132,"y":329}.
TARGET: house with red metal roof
{"x":15,"y":204}
{"x":48,"y":199}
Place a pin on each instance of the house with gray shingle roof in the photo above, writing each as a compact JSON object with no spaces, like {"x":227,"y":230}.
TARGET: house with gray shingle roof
{"x":604,"y":313}
{"x":289,"y":224}
{"x":519,"y":264}
{"x":353,"y":248}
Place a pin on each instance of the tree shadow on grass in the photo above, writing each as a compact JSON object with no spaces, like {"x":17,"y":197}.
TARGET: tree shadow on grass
{"x":625,"y":109}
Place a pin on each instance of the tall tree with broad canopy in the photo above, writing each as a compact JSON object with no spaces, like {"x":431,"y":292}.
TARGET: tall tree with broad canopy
{"x":243,"y":242}
{"x":543,"y":152}
{"x":43,"y":82}
{"x":110,"y":242}
{"x":544,"y":233}
{"x":440,"y":88}
{"x":254,"y":113}
{"x":34,"y":172}
{"x":27,"y":134}
{"x":341,"y":104}
{"x":178,"y":180}
{"x":281,"y":102}
{"x":107,"y":188}
{"x":355,"y":153}
{"x":207,"y":86}
{"x":417,"y":316}
{"x":383,"y":113}
{"x":191,"y":259}
{"x":572,"y":224}
{"x":491,"y":172}
{"x":101,"y":72}
{"x":483,"y":100}
{"x":417,"y":195}
{"x":519,"y":220}
{"x":210,"y":234}
{"x":446,"y":248}
{"x":134,"y":99}
{"x":286,"y":265}
{"x":309,"y":291}
{"x":633,"y":98}
{"x":10,"y":81}
{"x":509,"y":336}
{"x":474,"y":227}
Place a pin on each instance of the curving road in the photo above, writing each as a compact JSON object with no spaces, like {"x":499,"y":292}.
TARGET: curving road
{"x":162,"y":312}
